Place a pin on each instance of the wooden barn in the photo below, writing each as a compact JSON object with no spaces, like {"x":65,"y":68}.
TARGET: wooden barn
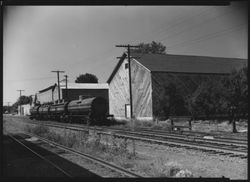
{"x":151,"y":75}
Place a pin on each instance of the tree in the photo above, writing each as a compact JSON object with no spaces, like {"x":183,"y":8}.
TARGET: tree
{"x":208,"y":99}
{"x":153,"y":47}
{"x":24,"y":100}
{"x":21,"y":101}
{"x":171,"y":102}
{"x":86,"y":78}
{"x":6,"y":109}
{"x":237,"y":95}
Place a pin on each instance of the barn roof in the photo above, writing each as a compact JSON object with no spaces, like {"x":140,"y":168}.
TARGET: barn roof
{"x":49,"y":88}
{"x":188,"y":63}
{"x":184,"y":63}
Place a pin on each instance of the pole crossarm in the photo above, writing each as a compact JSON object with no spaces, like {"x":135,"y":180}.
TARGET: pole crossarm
{"x":131,"y":46}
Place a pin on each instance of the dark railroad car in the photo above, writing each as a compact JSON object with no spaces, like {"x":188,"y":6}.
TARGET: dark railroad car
{"x":57,"y":111}
{"x":91,"y":110}
{"x":94,"y":110}
{"x":44,"y":111}
{"x":34,"y":112}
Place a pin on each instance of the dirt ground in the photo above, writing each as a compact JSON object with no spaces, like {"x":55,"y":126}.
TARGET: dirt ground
{"x":156,"y":160}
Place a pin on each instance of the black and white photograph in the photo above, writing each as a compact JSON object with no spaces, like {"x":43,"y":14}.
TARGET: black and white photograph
{"x":125,"y":91}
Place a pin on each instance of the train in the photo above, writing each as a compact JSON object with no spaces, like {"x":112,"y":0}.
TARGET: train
{"x":91,"y":111}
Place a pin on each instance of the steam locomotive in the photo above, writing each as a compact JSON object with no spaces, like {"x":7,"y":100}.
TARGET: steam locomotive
{"x":92,"y":111}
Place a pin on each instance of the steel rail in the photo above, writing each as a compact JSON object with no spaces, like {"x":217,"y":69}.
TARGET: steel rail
{"x":162,"y":134}
{"x":40,"y":156}
{"x":89,"y":157}
{"x":186,"y":144}
{"x":165,"y":136}
{"x":182,"y":137}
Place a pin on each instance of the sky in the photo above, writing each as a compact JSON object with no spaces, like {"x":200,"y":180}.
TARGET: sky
{"x":82,"y":39}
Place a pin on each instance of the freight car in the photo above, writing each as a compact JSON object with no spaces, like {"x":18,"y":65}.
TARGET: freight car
{"x":93,"y":111}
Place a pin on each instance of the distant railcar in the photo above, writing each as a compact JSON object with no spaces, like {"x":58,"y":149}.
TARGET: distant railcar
{"x":34,"y":112}
{"x":91,"y":110}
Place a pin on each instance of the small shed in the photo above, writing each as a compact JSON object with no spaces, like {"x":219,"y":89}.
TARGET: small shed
{"x":25,"y":110}
{"x":152,"y":73}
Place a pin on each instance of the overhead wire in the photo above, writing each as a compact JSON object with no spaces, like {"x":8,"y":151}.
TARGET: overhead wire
{"x":200,"y":41}
{"x":211,"y":35}
{"x":192,"y":26}
{"x":182,"y":20}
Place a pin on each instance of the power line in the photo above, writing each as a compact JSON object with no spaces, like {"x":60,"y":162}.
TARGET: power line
{"x":192,"y":25}
{"x":211,"y":35}
{"x":184,"y":19}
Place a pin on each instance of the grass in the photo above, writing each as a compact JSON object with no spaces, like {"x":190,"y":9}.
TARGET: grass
{"x":113,"y":149}
{"x":138,"y":124}
{"x":108,"y":148}
{"x":161,"y":167}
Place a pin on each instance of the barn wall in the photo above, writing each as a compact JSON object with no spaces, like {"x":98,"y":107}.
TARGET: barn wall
{"x":141,"y":91}
{"x":45,"y":97}
{"x":73,"y":94}
{"x":55,"y":94}
{"x":119,"y":92}
{"x":186,"y":83}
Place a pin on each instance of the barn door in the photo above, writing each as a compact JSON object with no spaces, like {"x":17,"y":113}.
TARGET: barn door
{"x":127,"y":111}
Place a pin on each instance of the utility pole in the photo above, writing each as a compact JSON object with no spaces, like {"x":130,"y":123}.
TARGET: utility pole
{"x":66,"y":80}
{"x":130,"y":89}
{"x":8,"y":107}
{"x":58,"y":83}
{"x":20,"y":99}
{"x":129,"y":70}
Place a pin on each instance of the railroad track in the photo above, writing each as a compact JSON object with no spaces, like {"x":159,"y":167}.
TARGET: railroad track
{"x":199,"y":136}
{"x":199,"y":133}
{"x":40,"y":156}
{"x":219,"y":147}
{"x":91,"y":158}
{"x":231,"y":142}
{"x":167,"y":135}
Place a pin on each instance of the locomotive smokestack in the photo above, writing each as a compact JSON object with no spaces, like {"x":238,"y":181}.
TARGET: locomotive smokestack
{"x":80,"y":97}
